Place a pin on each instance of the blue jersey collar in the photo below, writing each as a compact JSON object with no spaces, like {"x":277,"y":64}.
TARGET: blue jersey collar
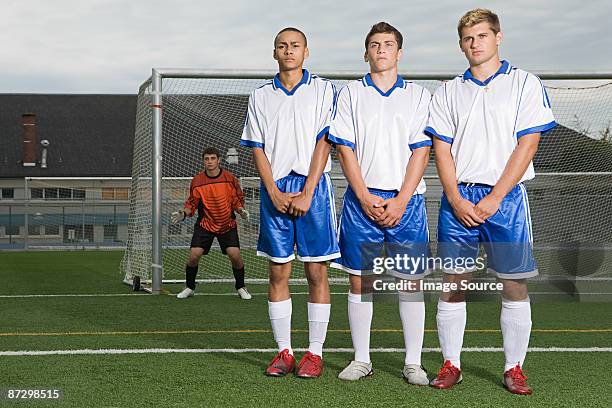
{"x":504,"y":69}
{"x":367,"y":81}
{"x":276,"y":83}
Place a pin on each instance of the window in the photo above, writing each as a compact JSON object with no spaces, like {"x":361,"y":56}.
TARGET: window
{"x":108,"y":193}
{"x":65,"y":193}
{"x":110,"y":232}
{"x":78,"y":194}
{"x":11,"y":230}
{"x":121,"y":193}
{"x":115,"y":193}
{"x":36,"y":193}
{"x":51,"y":193}
{"x":34,"y":229}
{"x":7,"y":193}
{"x":51,"y":229}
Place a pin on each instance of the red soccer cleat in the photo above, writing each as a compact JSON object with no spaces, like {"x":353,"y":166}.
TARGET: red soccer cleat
{"x":310,"y":366}
{"x":283,"y":364}
{"x":448,"y":376}
{"x":514,"y":381}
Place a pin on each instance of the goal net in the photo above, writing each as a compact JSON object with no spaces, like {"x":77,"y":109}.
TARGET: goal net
{"x":570,"y":198}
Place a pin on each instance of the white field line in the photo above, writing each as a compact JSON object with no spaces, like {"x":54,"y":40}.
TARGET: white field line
{"x":69,"y":295}
{"x":140,"y":294}
{"x":270,"y":350}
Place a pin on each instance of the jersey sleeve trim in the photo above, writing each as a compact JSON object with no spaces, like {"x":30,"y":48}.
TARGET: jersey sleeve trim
{"x":542,"y":129}
{"x":251,"y":143}
{"x":429,"y":131}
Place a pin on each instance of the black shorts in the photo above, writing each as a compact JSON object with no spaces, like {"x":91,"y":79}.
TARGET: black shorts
{"x":204,"y":239}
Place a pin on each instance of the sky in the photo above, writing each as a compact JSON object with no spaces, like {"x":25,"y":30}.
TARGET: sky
{"x":110,"y":46}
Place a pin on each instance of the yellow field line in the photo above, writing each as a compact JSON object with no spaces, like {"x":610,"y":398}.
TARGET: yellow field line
{"x":234,"y":331}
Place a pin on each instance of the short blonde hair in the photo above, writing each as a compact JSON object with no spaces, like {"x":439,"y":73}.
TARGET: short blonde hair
{"x":477,"y":16}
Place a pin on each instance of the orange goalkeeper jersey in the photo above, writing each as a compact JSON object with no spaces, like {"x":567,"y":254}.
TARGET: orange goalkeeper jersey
{"x":215,"y":199}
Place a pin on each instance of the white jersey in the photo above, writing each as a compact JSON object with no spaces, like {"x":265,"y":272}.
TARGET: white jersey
{"x":484,"y":120}
{"x":288,"y":124}
{"x":382,"y":128}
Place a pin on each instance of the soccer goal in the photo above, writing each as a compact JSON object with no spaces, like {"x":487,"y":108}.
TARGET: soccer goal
{"x":180,"y":112}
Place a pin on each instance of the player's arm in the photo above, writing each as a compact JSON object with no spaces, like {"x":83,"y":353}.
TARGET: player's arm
{"x":513,"y":172}
{"x":441,"y":128}
{"x":301,"y":203}
{"x":253,"y":136}
{"x":189,"y":208}
{"x":464,"y":209}
{"x":342,"y":134}
{"x":238,"y":199}
{"x":280,"y":200}
{"x":420,"y":145}
{"x":396,"y":206}
{"x":352,"y":172}
{"x":534,"y":118}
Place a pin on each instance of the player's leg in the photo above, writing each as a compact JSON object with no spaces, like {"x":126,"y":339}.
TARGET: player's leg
{"x":510,"y":254}
{"x":201,"y":242}
{"x":317,"y":243}
{"x":276,"y":243}
{"x":279,"y":311}
{"x":455,"y":242}
{"x":360,"y":241}
{"x":230,"y":246}
{"x":319,"y":308}
{"x":410,"y":240}
{"x":237,"y":262}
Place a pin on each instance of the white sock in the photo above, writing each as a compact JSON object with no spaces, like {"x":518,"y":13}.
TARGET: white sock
{"x":515,"y":320}
{"x":318,"y":318}
{"x":360,"y":321}
{"x":451,"y":320}
{"x":412,"y":313}
{"x":280,"y":318}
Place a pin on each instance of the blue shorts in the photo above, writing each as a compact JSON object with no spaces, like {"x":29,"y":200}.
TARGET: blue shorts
{"x":314,"y":234}
{"x":506,"y":236}
{"x":363,"y":240}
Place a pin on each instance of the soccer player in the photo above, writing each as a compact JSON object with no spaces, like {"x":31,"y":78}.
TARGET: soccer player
{"x":378,"y":133}
{"x":287,"y":121}
{"x":486,"y":126}
{"x":215,"y":193}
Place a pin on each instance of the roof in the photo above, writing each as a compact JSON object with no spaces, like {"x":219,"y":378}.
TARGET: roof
{"x":89,"y":135}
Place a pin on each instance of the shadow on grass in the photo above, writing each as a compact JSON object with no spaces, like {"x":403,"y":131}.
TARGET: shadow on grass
{"x":482,"y":373}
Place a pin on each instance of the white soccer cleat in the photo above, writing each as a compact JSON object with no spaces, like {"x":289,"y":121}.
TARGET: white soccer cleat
{"x":415,"y":374}
{"x":355,"y":371}
{"x":244,"y":293}
{"x":187,"y":292}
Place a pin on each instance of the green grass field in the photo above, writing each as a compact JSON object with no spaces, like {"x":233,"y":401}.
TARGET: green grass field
{"x":113,"y":317}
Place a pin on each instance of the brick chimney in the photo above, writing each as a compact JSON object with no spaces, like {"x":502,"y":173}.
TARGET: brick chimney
{"x":30,"y":141}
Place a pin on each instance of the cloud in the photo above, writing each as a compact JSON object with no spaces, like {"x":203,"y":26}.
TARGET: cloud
{"x":110,"y":46}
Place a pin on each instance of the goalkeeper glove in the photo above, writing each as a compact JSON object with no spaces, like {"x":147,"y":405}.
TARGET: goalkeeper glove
{"x":178,"y":216}
{"x":244,"y":214}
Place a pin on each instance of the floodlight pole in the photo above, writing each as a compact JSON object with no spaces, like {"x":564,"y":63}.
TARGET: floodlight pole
{"x":156,"y":187}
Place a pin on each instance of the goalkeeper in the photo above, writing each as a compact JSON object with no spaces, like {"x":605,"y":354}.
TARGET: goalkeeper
{"x":215,"y":193}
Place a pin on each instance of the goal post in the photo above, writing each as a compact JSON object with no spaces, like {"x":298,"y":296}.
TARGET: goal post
{"x":182,"y":111}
